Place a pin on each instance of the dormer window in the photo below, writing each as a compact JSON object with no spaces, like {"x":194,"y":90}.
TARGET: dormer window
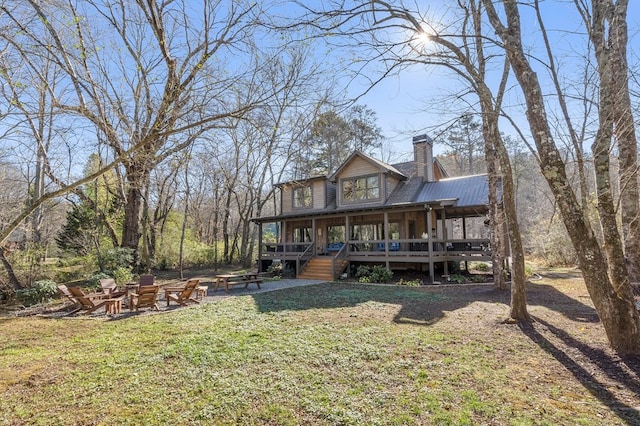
{"x":302,"y":197}
{"x":362,"y":188}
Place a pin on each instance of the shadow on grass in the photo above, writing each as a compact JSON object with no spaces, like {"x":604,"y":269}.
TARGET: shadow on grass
{"x":624,"y":372}
{"x":549,"y":297}
{"x":595,"y":368}
{"x":424,"y":305}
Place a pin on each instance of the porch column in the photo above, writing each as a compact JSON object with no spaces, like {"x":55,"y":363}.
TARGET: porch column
{"x":464,"y":236}
{"x":283,"y":237}
{"x":386,"y":238}
{"x":347,"y":233}
{"x":430,"y":244}
{"x":445,"y":238}
{"x":314,"y":235}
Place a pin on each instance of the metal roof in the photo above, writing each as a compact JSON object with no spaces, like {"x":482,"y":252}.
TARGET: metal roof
{"x":467,"y":191}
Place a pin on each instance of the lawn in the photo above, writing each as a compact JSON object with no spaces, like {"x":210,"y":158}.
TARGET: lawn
{"x":335,"y":353}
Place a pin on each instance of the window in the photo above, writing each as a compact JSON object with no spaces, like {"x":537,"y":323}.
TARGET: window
{"x":302,"y":235}
{"x":336,"y":234}
{"x":302,"y":197}
{"x":361,"y":188}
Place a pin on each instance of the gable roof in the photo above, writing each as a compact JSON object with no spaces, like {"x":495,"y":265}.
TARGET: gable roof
{"x":387,"y":168}
{"x":300,"y":182}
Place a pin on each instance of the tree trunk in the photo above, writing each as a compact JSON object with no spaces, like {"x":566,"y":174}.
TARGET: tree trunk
{"x":13,"y":279}
{"x":137,"y":178}
{"x":615,"y":307}
{"x":495,"y":216}
{"x":185,"y":212}
{"x":626,"y":137}
{"x":518,"y":278}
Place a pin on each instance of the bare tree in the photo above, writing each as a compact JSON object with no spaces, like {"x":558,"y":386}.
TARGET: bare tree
{"x":612,"y":297}
{"x":607,"y":28}
{"x":159,"y":100}
{"x":400,"y":38}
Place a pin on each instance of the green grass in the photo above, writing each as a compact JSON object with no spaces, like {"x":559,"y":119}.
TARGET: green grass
{"x":328,"y":354}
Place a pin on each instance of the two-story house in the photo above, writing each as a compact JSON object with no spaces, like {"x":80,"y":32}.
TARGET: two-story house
{"x":403,"y":216}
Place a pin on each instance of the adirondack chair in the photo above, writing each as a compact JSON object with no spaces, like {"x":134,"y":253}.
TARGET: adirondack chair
{"x":64,"y":292}
{"x":146,"y":280}
{"x":90,"y":302}
{"x":110,"y":289}
{"x":146,"y":297}
{"x":182,"y":295}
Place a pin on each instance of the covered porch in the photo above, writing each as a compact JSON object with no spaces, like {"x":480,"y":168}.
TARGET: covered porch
{"x":418,"y":237}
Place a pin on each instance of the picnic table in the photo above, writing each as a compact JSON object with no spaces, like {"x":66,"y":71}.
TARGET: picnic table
{"x":229,"y":280}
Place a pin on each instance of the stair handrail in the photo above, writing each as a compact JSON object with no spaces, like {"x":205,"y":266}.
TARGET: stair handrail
{"x":310,"y":252}
{"x":340,"y":255}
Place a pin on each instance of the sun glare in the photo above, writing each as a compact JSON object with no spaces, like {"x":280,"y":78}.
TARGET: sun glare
{"x":421,"y":42}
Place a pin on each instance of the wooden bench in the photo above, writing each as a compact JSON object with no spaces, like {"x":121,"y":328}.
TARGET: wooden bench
{"x":229,"y":280}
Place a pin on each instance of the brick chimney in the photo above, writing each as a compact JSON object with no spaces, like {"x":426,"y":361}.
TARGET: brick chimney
{"x":423,"y":156}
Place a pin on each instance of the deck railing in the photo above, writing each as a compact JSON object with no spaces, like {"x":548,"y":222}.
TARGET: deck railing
{"x":406,"y":248}
{"x":420,"y":247}
{"x":277,"y":250}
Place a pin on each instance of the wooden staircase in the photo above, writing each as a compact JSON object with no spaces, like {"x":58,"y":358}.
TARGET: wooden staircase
{"x":319,"y":268}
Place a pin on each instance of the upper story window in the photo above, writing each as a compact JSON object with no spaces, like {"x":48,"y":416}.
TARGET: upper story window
{"x":302,"y":197}
{"x":364,"y":188}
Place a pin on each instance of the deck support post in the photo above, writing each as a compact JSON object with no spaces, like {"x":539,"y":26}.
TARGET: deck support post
{"x":432,"y":277}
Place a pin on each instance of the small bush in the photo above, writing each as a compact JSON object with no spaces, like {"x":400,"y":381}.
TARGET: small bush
{"x":528,"y":270}
{"x":122,"y":275}
{"x":115,"y":258}
{"x":409,"y":283}
{"x":481,"y":266}
{"x":457,"y":278}
{"x":362,"y":271}
{"x":275,"y":269}
{"x":41,"y":291}
{"x":375,"y":274}
{"x":94,"y":280}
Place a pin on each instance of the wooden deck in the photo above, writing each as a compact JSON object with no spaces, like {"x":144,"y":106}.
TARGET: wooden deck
{"x":397,"y":251}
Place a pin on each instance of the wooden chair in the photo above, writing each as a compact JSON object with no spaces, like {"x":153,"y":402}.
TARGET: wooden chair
{"x":182,"y":294}
{"x":146,"y":297}
{"x":110,"y":289}
{"x":64,"y":292}
{"x":146,"y":280}
{"x":90,"y":302}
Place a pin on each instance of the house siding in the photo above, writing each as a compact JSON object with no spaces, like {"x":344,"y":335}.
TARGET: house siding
{"x":358,"y":167}
{"x":318,"y":191}
{"x":318,"y":196}
{"x":287,"y":199}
